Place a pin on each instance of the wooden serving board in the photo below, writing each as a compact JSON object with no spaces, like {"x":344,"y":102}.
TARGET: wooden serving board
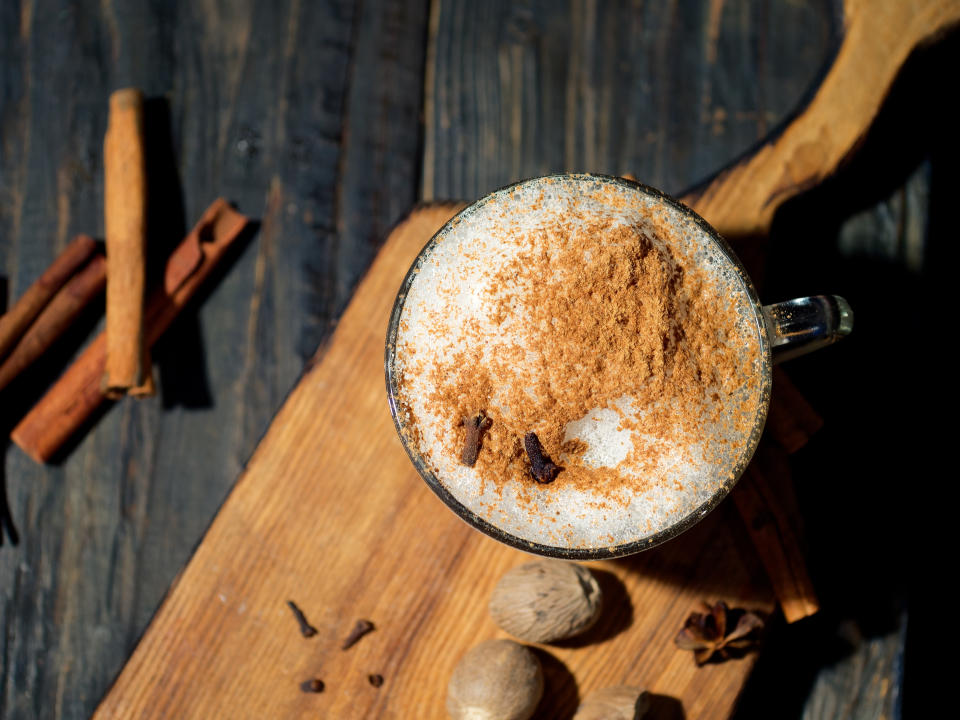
{"x":331,"y":514}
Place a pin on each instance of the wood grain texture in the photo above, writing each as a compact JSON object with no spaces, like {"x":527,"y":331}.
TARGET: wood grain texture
{"x":331,"y":514}
{"x":251,"y":101}
{"x":667,"y":91}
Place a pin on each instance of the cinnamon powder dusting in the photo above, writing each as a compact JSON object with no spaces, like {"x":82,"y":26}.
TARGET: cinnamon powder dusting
{"x":606,"y":339}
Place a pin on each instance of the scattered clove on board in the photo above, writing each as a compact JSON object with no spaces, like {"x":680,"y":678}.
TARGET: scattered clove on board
{"x":314,"y":685}
{"x":306,"y":629}
{"x":359,"y":630}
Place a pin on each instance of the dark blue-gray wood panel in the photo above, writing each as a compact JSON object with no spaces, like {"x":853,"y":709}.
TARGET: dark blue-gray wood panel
{"x":307,"y":116}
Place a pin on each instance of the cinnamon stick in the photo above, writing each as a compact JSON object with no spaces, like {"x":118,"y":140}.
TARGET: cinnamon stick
{"x":791,"y":420}
{"x":765,"y":498}
{"x":15,"y":322}
{"x":125,"y":223}
{"x":767,"y":503}
{"x":55,"y":318}
{"x":76,"y":395}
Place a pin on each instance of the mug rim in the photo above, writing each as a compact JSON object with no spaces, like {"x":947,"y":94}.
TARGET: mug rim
{"x":598,"y":553}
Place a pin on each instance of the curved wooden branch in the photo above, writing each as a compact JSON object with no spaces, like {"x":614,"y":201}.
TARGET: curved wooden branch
{"x":879,"y":37}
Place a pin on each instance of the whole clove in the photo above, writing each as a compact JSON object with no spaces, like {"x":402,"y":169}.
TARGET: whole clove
{"x":542,"y":468}
{"x":306,"y":629}
{"x":314,"y":685}
{"x":359,"y":630}
{"x":375,"y":679}
{"x":476,"y":426}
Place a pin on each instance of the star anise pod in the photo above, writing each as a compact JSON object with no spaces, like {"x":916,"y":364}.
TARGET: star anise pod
{"x":719,"y":631}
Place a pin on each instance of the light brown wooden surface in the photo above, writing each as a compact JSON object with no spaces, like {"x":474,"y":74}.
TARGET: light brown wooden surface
{"x":331,"y":514}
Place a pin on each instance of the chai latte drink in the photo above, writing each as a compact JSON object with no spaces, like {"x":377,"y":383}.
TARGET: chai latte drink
{"x":602,"y":319}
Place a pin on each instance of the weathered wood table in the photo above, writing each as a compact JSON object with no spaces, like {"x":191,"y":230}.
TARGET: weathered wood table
{"x":327,"y":122}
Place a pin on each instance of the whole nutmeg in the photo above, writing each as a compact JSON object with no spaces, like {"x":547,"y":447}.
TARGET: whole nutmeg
{"x":546,"y":600}
{"x":496,"y":680}
{"x":614,"y":703}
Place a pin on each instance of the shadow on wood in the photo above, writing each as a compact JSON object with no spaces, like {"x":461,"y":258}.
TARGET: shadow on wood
{"x":878,"y":391}
{"x":7,"y":527}
{"x":190,"y":314}
{"x":867,"y":479}
{"x":715,"y":557}
{"x":561,"y":695}
{"x":183,"y":372}
{"x":664,"y":707}
{"x":18,"y":397}
{"x":170,"y":343}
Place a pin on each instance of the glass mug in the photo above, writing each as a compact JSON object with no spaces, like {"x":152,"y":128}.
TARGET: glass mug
{"x":590,"y":527}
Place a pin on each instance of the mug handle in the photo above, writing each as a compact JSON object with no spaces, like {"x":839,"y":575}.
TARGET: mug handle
{"x":799,"y":326}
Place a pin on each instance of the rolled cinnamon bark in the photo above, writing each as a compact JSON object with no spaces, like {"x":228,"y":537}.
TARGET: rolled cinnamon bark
{"x":125,"y":223}
{"x":15,"y":323}
{"x":76,"y":395}
{"x":765,"y":499}
{"x":55,"y":318}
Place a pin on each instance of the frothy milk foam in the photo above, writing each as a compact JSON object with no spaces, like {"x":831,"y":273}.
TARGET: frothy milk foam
{"x":450,"y":288}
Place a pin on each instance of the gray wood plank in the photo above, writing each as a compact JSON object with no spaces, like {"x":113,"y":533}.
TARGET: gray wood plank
{"x":304,"y":114}
{"x":667,"y":91}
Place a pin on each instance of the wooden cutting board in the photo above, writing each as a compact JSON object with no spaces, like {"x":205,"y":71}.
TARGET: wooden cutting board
{"x":331,"y":514}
